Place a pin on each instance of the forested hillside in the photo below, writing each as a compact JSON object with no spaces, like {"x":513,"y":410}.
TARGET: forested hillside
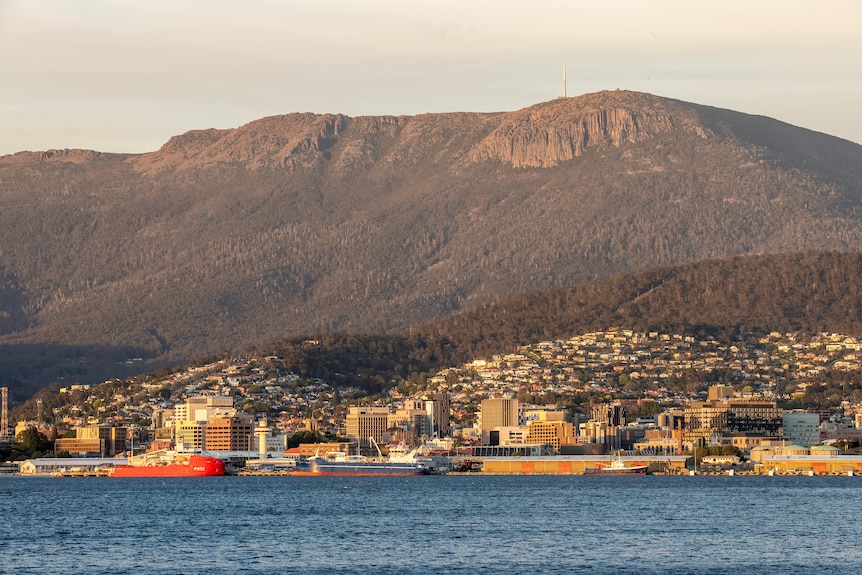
{"x":226,"y":239}
{"x":803,"y":292}
{"x":727,"y":299}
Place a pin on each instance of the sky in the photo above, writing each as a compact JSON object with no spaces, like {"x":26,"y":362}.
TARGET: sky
{"x":125,"y":76}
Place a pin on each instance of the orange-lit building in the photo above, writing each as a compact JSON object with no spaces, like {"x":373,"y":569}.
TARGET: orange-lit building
{"x":94,"y":441}
{"x":228,"y":433}
{"x":365,"y":422}
{"x":553,"y":433}
{"x":312,"y":449}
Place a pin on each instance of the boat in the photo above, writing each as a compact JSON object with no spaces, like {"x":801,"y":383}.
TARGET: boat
{"x":356,"y":465}
{"x":341,"y":464}
{"x":168,"y":464}
{"x":616,"y":467}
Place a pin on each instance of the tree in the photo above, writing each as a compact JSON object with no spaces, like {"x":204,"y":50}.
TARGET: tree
{"x":304,"y":436}
{"x":32,"y":441}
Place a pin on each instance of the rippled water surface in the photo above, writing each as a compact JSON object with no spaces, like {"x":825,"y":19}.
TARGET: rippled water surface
{"x":451,"y":524}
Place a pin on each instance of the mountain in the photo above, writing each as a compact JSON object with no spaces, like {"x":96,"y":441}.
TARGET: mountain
{"x":225,"y":239}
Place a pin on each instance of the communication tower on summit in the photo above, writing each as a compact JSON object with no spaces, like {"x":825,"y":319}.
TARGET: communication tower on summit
{"x":564,"y":83}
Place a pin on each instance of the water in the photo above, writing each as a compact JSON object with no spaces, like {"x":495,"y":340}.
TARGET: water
{"x":452,"y":524}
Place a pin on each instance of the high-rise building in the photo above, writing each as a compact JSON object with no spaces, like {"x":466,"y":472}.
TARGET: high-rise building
{"x":190,"y":434}
{"x":192,"y":416}
{"x":233,"y":433}
{"x":720,"y":392}
{"x":498,"y":413}
{"x":611,"y":415}
{"x":204,"y":407}
{"x":365,"y":422}
{"x":414,"y":422}
{"x":437,"y":408}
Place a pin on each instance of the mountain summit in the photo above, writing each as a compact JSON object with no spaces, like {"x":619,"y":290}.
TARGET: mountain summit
{"x":223,"y":239}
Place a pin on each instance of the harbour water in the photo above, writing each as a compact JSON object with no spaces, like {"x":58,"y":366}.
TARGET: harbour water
{"x":434,"y":524}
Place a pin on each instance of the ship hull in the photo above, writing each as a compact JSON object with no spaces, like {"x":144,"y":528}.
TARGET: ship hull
{"x":196,"y":466}
{"x":368,"y":469}
{"x":606,"y":471}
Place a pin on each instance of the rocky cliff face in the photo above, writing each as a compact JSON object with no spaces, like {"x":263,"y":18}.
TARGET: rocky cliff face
{"x":287,"y":141}
{"x":553,"y":132}
{"x":541,"y":136}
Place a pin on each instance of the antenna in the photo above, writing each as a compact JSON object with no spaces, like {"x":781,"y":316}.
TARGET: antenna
{"x":564,"y":81}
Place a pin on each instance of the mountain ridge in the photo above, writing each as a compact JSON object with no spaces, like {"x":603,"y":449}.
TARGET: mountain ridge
{"x":304,"y":223}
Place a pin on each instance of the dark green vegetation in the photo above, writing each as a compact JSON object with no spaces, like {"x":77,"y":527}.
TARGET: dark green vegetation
{"x":732,"y":300}
{"x":301,"y":224}
{"x":30,"y":443}
{"x":807,"y":292}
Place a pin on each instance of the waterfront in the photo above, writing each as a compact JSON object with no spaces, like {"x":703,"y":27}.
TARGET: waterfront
{"x":457,"y":524}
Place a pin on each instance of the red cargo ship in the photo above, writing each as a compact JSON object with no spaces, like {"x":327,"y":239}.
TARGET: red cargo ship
{"x":169,"y":465}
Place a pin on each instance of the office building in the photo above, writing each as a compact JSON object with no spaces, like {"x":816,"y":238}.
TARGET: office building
{"x":801,"y":428}
{"x":232,"y":433}
{"x":365,"y":422}
{"x":94,"y":441}
{"x":704,"y":420}
{"x":498,"y":413}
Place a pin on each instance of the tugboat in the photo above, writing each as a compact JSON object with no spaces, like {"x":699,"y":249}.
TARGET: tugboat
{"x":617,"y":467}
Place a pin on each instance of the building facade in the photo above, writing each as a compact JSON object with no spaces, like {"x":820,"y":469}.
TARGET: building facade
{"x":704,"y":420}
{"x":498,"y":413}
{"x":554,"y":433}
{"x":190,"y":435}
{"x":801,"y":428}
{"x":365,"y":422}
{"x":94,"y":441}
{"x":229,"y":433}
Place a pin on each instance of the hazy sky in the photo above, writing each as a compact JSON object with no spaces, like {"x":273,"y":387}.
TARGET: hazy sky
{"x":124,"y":76}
